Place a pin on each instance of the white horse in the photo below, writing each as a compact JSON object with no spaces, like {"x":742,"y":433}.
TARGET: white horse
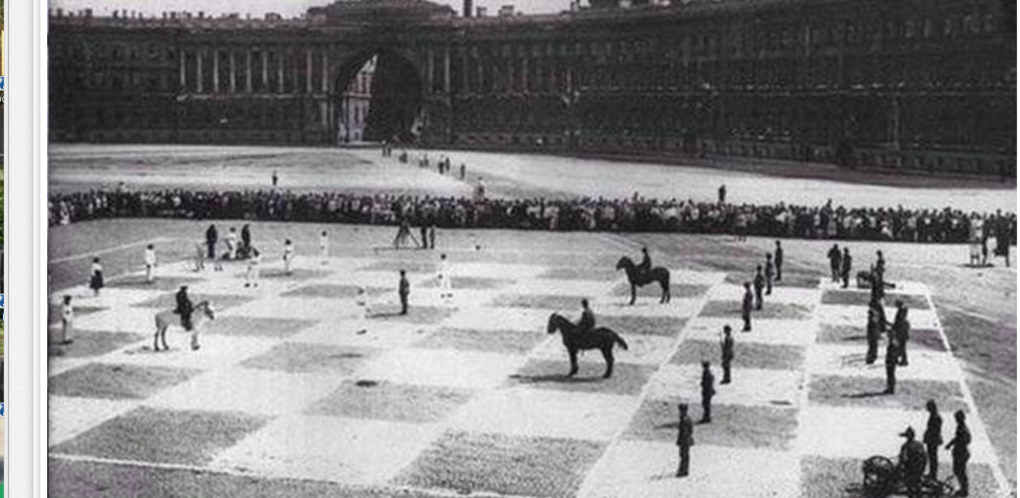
{"x":164,"y":319}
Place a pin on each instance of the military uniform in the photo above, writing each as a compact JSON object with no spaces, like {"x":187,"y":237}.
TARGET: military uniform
{"x":404,"y":291}
{"x":745,"y":309}
{"x":587,"y":322}
{"x":846,"y":268}
{"x":961,"y":454}
{"x":932,"y":441}
{"x":727,"y":357}
{"x":891,"y":355}
{"x":901,"y":329}
{"x":835,"y":262}
{"x":913,"y":462}
{"x":707,"y":391}
{"x":769,"y":275}
{"x":184,"y":307}
{"x":684,"y":440}
{"x":876,"y":325}
{"x":779,"y":262}
{"x":759,"y":285}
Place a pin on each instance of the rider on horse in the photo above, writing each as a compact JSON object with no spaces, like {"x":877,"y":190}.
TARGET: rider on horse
{"x":587,"y":321}
{"x":646,"y":262}
{"x":184,"y":307}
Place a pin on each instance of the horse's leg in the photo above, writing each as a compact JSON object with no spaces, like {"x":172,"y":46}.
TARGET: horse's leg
{"x":607,"y":353}
{"x":162,"y":335}
{"x":573,"y":362}
{"x":633,"y":293}
{"x":155,"y":339}
{"x":194,"y":337}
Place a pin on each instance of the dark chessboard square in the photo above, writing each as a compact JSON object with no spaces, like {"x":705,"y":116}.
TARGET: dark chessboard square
{"x":256,"y":327}
{"x":627,"y":379}
{"x":54,"y":311}
{"x":419,"y":315}
{"x":98,"y":380}
{"x":293,"y":357}
{"x":88,"y":344}
{"x":488,"y":341}
{"x":665,"y":326}
{"x":736,"y":426}
{"x":334,"y":291}
{"x":158,"y":284}
{"x":745,"y":355}
{"x":771,"y":310}
{"x":581,"y":273}
{"x":163,"y":436}
{"x":863,"y":298}
{"x":910,"y":394}
{"x":472,"y":283}
{"x":552,"y":302}
{"x":391,"y":401}
{"x":823,"y":477}
{"x":677,"y":291}
{"x":219,"y":302}
{"x":468,"y":463}
{"x":929,"y":339}
{"x":395,"y":266}
{"x":296,"y":274}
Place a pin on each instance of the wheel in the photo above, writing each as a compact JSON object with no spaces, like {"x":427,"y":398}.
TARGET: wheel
{"x":879,"y":476}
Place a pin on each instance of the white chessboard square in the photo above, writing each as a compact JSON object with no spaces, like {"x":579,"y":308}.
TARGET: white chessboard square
{"x":120,"y":319}
{"x":648,"y":470}
{"x":788,"y":295}
{"x":297,"y":308}
{"x":546,"y":413}
{"x":858,"y":315}
{"x":620,"y":306}
{"x":216,"y":351}
{"x":643,"y":350}
{"x":71,"y":416}
{"x":500,"y":318}
{"x":345,"y":450}
{"x":779,"y":332}
{"x":360,"y":332}
{"x":751,"y":387}
{"x":251,"y":391}
{"x":440,"y":367}
{"x":850,"y":361}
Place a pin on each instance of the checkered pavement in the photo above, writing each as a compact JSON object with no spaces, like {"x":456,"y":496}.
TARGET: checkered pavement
{"x":298,"y":379}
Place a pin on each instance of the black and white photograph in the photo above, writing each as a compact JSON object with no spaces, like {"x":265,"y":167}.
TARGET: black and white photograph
{"x":531,"y":248}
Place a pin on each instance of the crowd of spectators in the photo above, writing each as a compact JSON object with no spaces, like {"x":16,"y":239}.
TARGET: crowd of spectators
{"x":589,"y":214}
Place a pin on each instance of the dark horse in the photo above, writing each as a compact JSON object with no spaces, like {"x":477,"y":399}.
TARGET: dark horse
{"x":638,"y":279}
{"x":601,"y":338}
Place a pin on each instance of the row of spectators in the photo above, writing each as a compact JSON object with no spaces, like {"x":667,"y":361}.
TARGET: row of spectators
{"x":590,"y":214}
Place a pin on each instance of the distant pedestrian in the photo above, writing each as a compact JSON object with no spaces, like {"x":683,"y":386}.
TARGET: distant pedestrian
{"x":96,"y":277}
{"x":722,"y":194}
{"x":933,"y":438}
{"x":324,"y":247}
{"x":244,"y":250}
{"x":67,"y":321}
{"x":961,"y":453}
{"x":432,"y":234}
{"x":891,"y":355}
{"x":211,"y":237}
{"x":276,"y":179}
{"x":404,"y":291}
{"x":150,"y":263}
{"x":759,"y":286}
{"x":876,"y":326}
{"x":707,"y":391}
{"x":423,"y":230}
{"x":727,"y":353}
{"x":463,"y":171}
{"x":684,"y":440}
{"x":835,"y":262}
{"x":288,"y":257}
{"x":252,"y":275}
{"x":199,"y":256}
{"x":847,"y":267}
{"x":770,"y":274}
{"x":746,"y":306}
{"x":901,"y":329}
{"x":443,"y":275}
{"x":779,"y":262}
{"x":232,"y":244}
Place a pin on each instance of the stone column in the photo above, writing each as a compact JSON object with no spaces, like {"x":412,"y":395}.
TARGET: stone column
{"x":216,"y":71}
{"x":431,"y":70}
{"x":279,"y":72}
{"x":183,"y":57}
{"x":233,"y":72}
{"x":308,"y":69}
{"x":247,"y":71}
{"x":265,"y":71}
{"x":198,"y":57}
{"x":446,"y":70}
{"x":524,"y":74}
{"x":325,"y":72}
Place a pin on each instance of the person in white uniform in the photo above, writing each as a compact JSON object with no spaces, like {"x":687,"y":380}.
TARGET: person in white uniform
{"x":150,"y":263}
{"x":252,"y":276}
{"x":288,"y":256}
{"x":324,"y":247}
{"x":445,"y":281}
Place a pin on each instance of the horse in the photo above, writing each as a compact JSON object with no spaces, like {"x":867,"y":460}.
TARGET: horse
{"x":164,"y":319}
{"x":600,"y":338}
{"x":638,"y":279}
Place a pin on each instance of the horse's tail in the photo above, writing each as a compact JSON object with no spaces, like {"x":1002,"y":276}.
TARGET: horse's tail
{"x":619,"y":340}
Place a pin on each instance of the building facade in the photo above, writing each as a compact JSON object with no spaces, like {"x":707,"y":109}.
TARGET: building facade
{"x":356,"y":102}
{"x":900,"y":84}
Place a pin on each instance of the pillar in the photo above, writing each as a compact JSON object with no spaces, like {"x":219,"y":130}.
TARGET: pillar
{"x":325,"y":72}
{"x":265,"y":71}
{"x":247,"y":71}
{"x":216,"y":71}
{"x":446,"y":70}
{"x":198,"y":57}
{"x":279,"y":72}
{"x":233,"y":72}
{"x":183,"y":57}
{"x":308,"y":70}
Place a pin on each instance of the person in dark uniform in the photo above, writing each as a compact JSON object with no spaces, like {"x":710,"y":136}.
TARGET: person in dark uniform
{"x":770,"y":273}
{"x":891,"y":354}
{"x":847,"y":267}
{"x":587,"y":322}
{"x":424,"y":230}
{"x":876,"y":326}
{"x":404,"y":291}
{"x":745,"y":309}
{"x":211,"y":236}
{"x":684,"y":440}
{"x":779,"y":262}
{"x":912,"y":463}
{"x":901,"y":329}
{"x":727,"y":353}
{"x":184,"y":307}
{"x":933,"y":438}
{"x":835,"y":262}
{"x":646,"y":262}
{"x":276,"y":179}
{"x":961,"y":453}
{"x":722,"y":194}
{"x":707,"y":391}
{"x":246,"y":240}
{"x":759,"y":286}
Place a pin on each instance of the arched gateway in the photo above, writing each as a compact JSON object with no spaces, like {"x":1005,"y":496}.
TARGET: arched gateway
{"x":907,"y":84}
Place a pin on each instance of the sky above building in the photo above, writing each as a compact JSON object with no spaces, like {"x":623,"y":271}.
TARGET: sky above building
{"x":287,"y":8}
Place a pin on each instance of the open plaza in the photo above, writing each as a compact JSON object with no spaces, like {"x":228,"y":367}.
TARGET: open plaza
{"x":313,"y":384}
